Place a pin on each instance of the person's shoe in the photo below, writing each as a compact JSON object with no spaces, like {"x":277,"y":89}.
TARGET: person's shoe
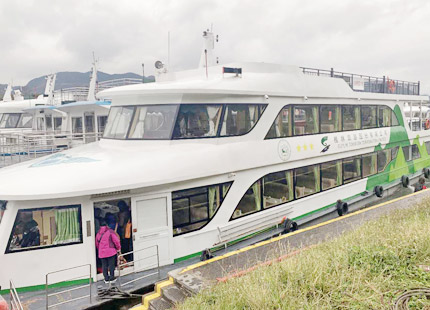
{"x":106,"y":282}
{"x":113,"y":280}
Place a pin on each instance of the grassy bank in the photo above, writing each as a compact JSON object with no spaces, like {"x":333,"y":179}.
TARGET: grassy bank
{"x":363,"y":269}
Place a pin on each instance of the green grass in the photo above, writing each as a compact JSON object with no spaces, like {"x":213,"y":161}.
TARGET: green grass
{"x":363,"y":269}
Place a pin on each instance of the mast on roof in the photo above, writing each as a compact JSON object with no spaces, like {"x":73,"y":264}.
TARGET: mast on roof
{"x":93,"y":81}
{"x":207,"y":57}
{"x":8,"y":93}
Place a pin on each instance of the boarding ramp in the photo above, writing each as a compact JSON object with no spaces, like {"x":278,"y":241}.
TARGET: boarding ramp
{"x":56,"y":298}
{"x":19,"y":147}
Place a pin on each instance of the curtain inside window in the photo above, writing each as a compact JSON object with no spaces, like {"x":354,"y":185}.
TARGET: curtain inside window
{"x":339,"y":172}
{"x":373,"y":167}
{"x":214,"y":200}
{"x":337,"y":119}
{"x":68,"y":229}
{"x":315,"y":119}
{"x":257,"y":195}
{"x":357,"y":117}
{"x":289,"y":178}
{"x":317,"y":178}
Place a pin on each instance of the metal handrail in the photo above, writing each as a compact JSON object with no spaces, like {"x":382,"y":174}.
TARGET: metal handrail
{"x":47,"y":284}
{"x":15,"y":302}
{"x":132,"y":263}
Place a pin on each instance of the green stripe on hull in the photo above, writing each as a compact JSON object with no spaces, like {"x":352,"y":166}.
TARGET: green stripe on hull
{"x":42,"y":286}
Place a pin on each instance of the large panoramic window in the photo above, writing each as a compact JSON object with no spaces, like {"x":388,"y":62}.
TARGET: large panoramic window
{"x":197,"y":120}
{"x":281,"y":127}
{"x":277,"y":188}
{"x":118,"y":122}
{"x":26,"y":121}
{"x":250,"y":202}
{"x":351,"y":169}
{"x":384,"y":116}
{"x":45,"y":227}
{"x":370,"y":166}
{"x":307,"y":180}
{"x":351,"y":117}
{"x":331,"y":120}
{"x":194,"y":208}
{"x":153,"y":122}
{"x":368,"y":117}
{"x":305,"y":120}
{"x":77,"y":125}
{"x":10,"y":120}
{"x":239,"y":119}
{"x":411,"y":152}
{"x":331,"y":174}
{"x":384,"y":158}
{"x":415,"y":152}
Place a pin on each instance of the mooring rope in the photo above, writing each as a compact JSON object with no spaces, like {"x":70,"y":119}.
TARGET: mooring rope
{"x":402,"y":301}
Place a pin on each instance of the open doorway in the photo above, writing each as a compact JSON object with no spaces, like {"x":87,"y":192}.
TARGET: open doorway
{"x":116,"y":214}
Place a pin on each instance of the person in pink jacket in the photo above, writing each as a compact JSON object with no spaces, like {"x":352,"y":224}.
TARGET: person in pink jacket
{"x":108,"y":245}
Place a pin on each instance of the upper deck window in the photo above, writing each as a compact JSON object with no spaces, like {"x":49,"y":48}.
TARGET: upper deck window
{"x":10,"y":120}
{"x":152,"y":122}
{"x":118,"y":122}
{"x":351,"y":117}
{"x":239,"y":119}
{"x":282,"y":125}
{"x":331,"y":120}
{"x":26,"y":121}
{"x":368,"y":116}
{"x":305,"y":120}
{"x":197,"y":120}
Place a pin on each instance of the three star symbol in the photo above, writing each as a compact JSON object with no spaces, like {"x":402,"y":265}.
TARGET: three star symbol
{"x":304,"y":147}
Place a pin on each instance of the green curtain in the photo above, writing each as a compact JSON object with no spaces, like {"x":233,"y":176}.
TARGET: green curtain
{"x":315,"y":119}
{"x":339,"y":172}
{"x":317,"y":178}
{"x":68,"y":229}
{"x":337,"y":120}
{"x":213,"y":200}
{"x":257,"y":195}
{"x":225,"y":188}
{"x":357,"y":117}
{"x":373,"y":167}
{"x":357,"y":164}
{"x":289,"y":178}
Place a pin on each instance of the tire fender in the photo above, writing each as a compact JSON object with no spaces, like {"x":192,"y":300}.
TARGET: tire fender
{"x":405,"y":180}
{"x":290,"y":226}
{"x":342,"y":207}
{"x":426,"y":172}
{"x":379,"y":191}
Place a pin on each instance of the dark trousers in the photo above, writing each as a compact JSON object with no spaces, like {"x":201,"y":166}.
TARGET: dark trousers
{"x":108,"y":264}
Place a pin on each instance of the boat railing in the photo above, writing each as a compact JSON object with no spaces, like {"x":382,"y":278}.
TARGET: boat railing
{"x":371,"y":84}
{"x":19,"y":147}
{"x":147,"y":258}
{"x":117,"y":82}
{"x":74,"y":293}
{"x":15,"y":302}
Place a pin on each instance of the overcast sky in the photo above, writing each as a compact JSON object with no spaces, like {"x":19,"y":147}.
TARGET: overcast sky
{"x":375,"y":37}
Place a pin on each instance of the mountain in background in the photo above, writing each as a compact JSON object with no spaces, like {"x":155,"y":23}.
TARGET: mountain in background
{"x":70,"y":79}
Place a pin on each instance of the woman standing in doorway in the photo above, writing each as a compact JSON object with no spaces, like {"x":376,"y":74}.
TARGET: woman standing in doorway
{"x":108,"y":245}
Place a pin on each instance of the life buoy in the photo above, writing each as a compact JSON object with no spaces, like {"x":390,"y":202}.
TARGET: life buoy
{"x":427,"y":124}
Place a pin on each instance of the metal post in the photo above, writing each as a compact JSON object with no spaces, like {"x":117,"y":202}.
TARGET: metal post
{"x":331,"y":72}
{"x":418,"y":87}
{"x":143,"y":73}
{"x":46,"y":292}
{"x":421,"y":115}
{"x":383,"y":84}
{"x":158,"y":263}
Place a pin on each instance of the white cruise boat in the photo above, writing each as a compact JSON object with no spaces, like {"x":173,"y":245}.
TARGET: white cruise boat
{"x":206,"y":157}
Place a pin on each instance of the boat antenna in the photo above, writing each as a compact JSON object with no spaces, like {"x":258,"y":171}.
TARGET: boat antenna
{"x":93,"y":81}
{"x":168,"y":50}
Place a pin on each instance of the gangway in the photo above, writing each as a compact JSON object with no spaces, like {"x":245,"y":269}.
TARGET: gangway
{"x":15,"y":302}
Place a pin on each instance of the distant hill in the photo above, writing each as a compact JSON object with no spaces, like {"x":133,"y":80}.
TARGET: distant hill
{"x":70,"y":79}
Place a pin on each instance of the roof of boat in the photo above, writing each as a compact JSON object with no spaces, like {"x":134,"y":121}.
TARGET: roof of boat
{"x":104,"y":103}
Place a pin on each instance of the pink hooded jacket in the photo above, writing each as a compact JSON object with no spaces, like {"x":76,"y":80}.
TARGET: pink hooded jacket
{"x":107,"y":242}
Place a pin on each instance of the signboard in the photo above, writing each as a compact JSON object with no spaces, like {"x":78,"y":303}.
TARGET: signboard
{"x":357,"y":83}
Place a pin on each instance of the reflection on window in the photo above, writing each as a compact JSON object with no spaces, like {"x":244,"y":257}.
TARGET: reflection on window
{"x":384,"y":116}
{"x":305,"y":120}
{"x":277,"y":188}
{"x":239,"y":119}
{"x":407,"y":152}
{"x":77,"y":125}
{"x":351,"y":117}
{"x":3,"y":204}
{"x":197,"y":120}
{"x":89,"y":122}
{"x":101,"y":123}
{"x":48,"y":122}
{"x":250,"y":202}
{"x":26,"y":121}
{"x":46,"y":227}
{"x":118,"y":122}
{"x":411,"y":152}
{"x":415,"y":152}
{"x":281,"y":127}
{"x":153,"y":122}
{"x":10,"y":120}
{"x":394,"y":120}
{"x":330,"y":118}
{"x":40,"y":123}
{"x":394,"y":152}
{"x":369,"y":164}
{"x":194,"y":208}
{"x":351,"y":169}
{"x":427,"y":143}
{"x":368,"y":116}
{"x":384,"y":158}
{"x":58,"y":121}
{"x":307,"y":180}
{"x":331,"y":174}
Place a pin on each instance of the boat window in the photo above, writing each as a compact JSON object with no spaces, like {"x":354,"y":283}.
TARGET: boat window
{"x":58,"y":121}
{"x":384,"y":116}
{"x":89,"y":122}
{"x":307,"y":180}
{"x":194,"y":208}
{"x":330,"y":118}
{"x":153,"y":122}
{"x":394,"y":120}
{"x":369,"y":164}
{"x":368,"y":117}
{"x":40,"y":121}
{"x":331,"y":174}
{"x":394,"y":152}
{"x":384,"y":158}
{"x":3,"y":204}
{"x":250,"y":202}
{"x":351,"y":117}
{"x":239,"y":119}
{"x":281,"y":127}
{"x":118,"y":122}
{"x":197,"y":120}
{"x":305,"y":120}
{"x":351,"y":169}
{"x":46,"y":227}
{"x":48,"y":122}
{"x":26,"y":121}
{"x":407,"y":152}
{"x":415,"y":152}
{"x":10,"y":120}
{"x":101,"y":123}
{"x":427,"y":143}
{"x":277,"y":188}
{"x":77,"y":125}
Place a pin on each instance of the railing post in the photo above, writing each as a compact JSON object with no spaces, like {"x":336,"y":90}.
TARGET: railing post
{"x":46,"y":292}
{"x":418,"y":87}
{"x":331,"y":72}
{"x":158,"y":262}
{"x":384,"y":84}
